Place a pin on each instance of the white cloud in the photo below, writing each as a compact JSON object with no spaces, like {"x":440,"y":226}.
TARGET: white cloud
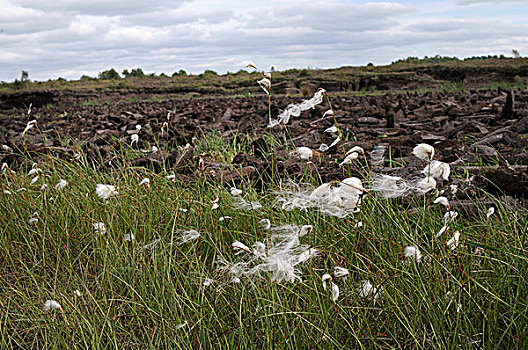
{"x":70,"y":38}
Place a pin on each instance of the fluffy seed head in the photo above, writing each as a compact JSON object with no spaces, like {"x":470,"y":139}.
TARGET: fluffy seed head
{"x":424,"y":151}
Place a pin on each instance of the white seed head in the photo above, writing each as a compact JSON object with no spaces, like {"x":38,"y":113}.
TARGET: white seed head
{"x":340,"y":272}
{"x":326,"y":277}
{"x":304,"y":152}
{"x":442,"y":200}
{"x":424,"y":151}
{"x":414,"y":253}
{"x":491,"y":211}
{"x":105,"y":191}
{"x":61,"y":184}
{"x":453,"y":242}
{"x":235,"y":191}
{"x":51,"y":305}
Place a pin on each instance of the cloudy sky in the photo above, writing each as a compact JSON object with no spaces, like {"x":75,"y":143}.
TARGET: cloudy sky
{"x":69,"y":38}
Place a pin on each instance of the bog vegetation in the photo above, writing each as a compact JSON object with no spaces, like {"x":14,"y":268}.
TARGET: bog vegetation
{"x":133,"y":258}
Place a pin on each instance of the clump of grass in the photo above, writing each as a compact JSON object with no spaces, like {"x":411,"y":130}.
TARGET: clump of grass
{"x":149,"y":292}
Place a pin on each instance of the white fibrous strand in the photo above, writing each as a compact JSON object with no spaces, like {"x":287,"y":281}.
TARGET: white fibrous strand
{"x":241,"y":204}
{"x":338,"y":200}
{"x":424,"y":151}
{"x":279,"y":258}
{"x":368,"y":291}
{"x":424,"y":185}
{"x":453,"y":242}
{"x":265,"y":84}
{"x":29,"y":126}
{"x":336,"y":141}
{"x":413,"y":253}
{"x":187,"y":236}
{"x":105,"y":191}
{"x":294,"y":110}
{"x":389,"y":186}
{"x":437,"y":170}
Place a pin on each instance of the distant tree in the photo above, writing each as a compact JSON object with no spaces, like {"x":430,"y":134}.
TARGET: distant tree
{"x":370,"y":64}
{"x":137,"y":72}
{"x":163,"y":75}
{"x":516,"y":53}
{"x":87,"y":78}
{"x":109,"y":74}
{"x":125,"y":73}
{"x":181,"y":72}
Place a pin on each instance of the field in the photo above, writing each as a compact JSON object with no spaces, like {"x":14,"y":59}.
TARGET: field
{"x":166,"y":213}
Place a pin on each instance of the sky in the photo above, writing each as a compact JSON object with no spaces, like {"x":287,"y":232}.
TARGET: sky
{"x":71,"y":38}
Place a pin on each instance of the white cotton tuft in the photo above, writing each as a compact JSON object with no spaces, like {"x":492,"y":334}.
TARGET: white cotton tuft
{"x":340,"y":272}
{"x":223,"y":218}
{"x":335,"y":291}
{"x":328,"y":113}
{"x":180,"y":326}
{"x":368,"y":291}
{"x":349,"y":158}
{"x":425,"y":185}
{"x":43,"y":187}
{"x":442,"y":200}
{"x":305,"y":229}
{"x":414,"y":253}
{"x":450,"y":216}
{"x":241,"y":246}
{"x":424,"y":151}
{"x":129,"y":237}
{"x":61,"y":184}
{"x":265,"y":84}
{"x":235,"y":191}
{"x":145,"y":181}
{"x":29,"y":125}
{"x":134,"y":138}
{"x":437,"y":170}
{"x":332,"y":129}
{"x":265,"y":224}
{"x":336,"y":141}
{"x":323,"y":147}
{"x":51,"y":305}
{"x":304,"y":152}
{"x":453,"y":242}
{"x":442,"y":230}
{"x":326,"y":277}
{"x":358,"y":224}
{"x":105,"y":191}
{"x":35,"y":179}
{"x":390,"y":186}
{"x":491,"y":211}
{"x":356,"y":149}
{"x":215,"y":206}
{"x":99,"y":228}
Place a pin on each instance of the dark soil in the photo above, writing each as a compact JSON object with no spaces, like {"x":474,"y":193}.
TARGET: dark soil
{"x":481,"y":134}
